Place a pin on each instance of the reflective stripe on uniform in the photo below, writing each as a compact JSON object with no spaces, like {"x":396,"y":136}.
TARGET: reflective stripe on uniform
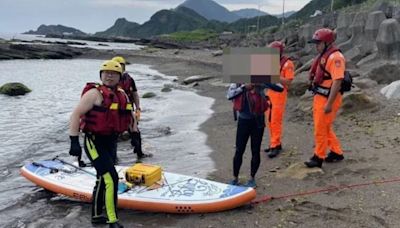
{"x":91,"y":148}
{"x":96,"y":196}
{"x":109,"y":198}
{"x":114,"y":106}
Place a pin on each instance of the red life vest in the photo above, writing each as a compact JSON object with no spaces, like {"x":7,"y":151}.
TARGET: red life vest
{"x":258,"y":103}
{"x":113,"y":116}
{"x":318,"y":73}
{"x":126,"y":84}
{"x":284,"y":59}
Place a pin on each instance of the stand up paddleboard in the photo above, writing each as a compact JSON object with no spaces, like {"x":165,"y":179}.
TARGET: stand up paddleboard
{"x":175,"y":193}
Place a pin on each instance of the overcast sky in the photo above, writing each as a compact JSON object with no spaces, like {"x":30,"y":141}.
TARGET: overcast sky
{"x":97,"y":15}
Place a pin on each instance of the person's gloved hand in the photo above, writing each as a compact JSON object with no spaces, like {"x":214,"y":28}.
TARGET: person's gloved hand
{"x":137,"y":114}
{"x":75,"y":149}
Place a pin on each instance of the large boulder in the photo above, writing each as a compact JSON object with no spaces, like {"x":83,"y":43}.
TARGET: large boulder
{"x":392,"y":91}
{"x":217,"y":53}
{"x":149,"y":95}
{"x":329,"y":20}
{"x":367,"y":59}
{"x":388,"y":39}
{"x":364,"y":83}
{"x":372,"y":25}
{"x":14,"y":89}
{"x":305,"y":34}
{"x":195,"y":78}
{"x":357,"y":101}
{"x":306,"y":66}
{"x":292,"y":37}
{"x":396,"y":14}
{"x":343,"y":32}
{"x":354,"y":55}
{"x":299,"y":85}
{"x":385,"y":73}
{"x":357,"y":32}
{"x":384,"y":6}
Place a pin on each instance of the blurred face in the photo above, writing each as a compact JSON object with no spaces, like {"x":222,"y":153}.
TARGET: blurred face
{"x":320,"y":47}
{"x":110,"y":78}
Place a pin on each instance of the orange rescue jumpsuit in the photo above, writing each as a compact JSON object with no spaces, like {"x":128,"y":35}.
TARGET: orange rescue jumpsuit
{"x":324,"y":135}
{"x":274,"y":116}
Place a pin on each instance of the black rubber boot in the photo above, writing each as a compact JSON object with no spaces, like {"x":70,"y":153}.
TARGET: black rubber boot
{"x":116,"y":225}
{"x":334,"y":157}
{"x":99,"y":220}
{"x":279,"y":147}
{"x":143,"y":155}
{"x":274,"y":153}
{"x":136,"y":142}
{"x":314,"y":162}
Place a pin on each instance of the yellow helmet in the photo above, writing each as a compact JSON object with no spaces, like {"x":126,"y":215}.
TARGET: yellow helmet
{"x":119,"y":59}
{"x":112,"y":66}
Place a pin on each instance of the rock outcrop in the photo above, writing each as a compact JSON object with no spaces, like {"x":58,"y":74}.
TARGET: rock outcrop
{"x":357,"y":29}
{"x":372,"y":25}
{"x":57,"y":30}
{"x":342,"y":30}
{"x":27,"y":51}
{"x":392,"y":91}
{"x":357,"y":101}
{"x":385,"y":73}
{"x":364,"y":83}
{"x":14,"y":89}
{"x":149,"y":95}
{"x":299,"y":85}
{"x":196,"y":78}
{"x":388,"y":40}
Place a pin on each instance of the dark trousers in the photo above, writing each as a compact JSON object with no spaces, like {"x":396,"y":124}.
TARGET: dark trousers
{"x":99,"y":150}
{"x":248,"y":128}
{"x":136,"y":142}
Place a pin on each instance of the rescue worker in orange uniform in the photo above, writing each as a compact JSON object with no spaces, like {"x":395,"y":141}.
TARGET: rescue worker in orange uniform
{"x":326,"y":75}
{"x":274,"y":115}
{"x":103,"y":112}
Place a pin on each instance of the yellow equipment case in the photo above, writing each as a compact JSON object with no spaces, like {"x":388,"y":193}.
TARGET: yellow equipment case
{"x":145,"y":174}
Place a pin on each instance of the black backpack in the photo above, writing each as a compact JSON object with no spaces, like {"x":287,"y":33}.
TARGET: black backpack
{"x":347,"y":82}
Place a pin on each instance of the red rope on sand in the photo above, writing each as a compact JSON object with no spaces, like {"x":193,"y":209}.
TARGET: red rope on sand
{"x":267,"y":198}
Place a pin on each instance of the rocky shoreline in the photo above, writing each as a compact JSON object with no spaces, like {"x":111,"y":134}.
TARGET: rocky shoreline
{"x":9,"y":51}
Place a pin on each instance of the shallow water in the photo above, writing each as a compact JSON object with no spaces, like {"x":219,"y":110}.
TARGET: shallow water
{"x":35,"y":126}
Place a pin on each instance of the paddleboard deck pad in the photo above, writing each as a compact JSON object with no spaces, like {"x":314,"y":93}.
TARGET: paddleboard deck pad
{"x":175,"y":193}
